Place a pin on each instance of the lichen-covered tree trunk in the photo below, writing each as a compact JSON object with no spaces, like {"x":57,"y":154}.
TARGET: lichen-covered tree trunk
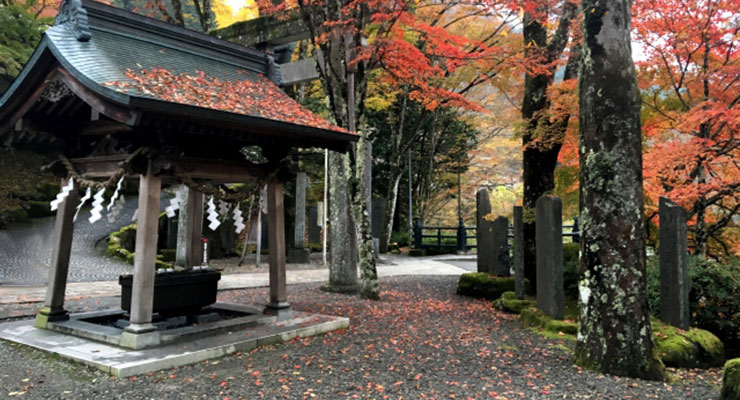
{"x":368,"y":272}
{"x":614,"y":334}
{"x":342,"y":231}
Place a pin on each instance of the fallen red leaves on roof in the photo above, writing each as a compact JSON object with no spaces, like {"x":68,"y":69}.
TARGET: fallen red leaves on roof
{"x":255,"y":96}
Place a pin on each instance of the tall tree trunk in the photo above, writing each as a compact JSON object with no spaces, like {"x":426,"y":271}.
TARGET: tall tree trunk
{"x":368,"y":272}
{"x":390,"y":209}
{"x":396,"y":173}
{"x":342,"y":232}
{"x":614,"y":334}
{"x":540,"y":154}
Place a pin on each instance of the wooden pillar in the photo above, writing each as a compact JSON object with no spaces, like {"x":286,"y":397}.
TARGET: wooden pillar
{"x":53,"y":309}
{"x":194,"y":251}
{"x":142,"y":290}
{"x":276,"y":224}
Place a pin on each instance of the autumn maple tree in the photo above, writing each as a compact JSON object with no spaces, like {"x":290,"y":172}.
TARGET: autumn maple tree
{"x":690,"y":79}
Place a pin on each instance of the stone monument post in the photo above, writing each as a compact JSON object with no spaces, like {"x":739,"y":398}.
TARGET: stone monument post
{"x":299,"y":254}
{"x":483,"y":230}
{"x":673,"y":255}
{"x":499,"y":262}
{"x":549,"y":236}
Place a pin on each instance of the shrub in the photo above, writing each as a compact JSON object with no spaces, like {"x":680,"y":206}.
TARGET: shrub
{"x":403,"y":239}
{"x":714,"y":298}
{"x":481,"y":284}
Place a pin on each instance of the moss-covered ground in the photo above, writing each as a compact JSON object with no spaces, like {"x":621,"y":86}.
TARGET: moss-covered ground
{"x":25,"y":190}
{"x":693,"y":348}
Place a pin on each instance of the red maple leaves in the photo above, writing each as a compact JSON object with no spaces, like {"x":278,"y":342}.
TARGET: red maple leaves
{"x":255,"y":95}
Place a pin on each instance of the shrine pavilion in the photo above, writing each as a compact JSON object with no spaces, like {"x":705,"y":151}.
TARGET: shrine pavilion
{"x":122,"y":96}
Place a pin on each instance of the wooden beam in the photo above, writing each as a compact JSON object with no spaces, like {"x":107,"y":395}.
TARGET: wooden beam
{"x":24,"y":108}
{"x":217,"y":171}
{"x":97,"y":103}
{"x":103,"y":127}
{"x":276,"y":224}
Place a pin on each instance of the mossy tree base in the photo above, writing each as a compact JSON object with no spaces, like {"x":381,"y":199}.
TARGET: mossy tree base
{"x":694,"y":348}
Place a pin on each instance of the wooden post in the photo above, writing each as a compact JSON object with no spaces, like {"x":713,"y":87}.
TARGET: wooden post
{"x":54,"y":303}
{"x":142,"y":291}
{"x":276,"y":223}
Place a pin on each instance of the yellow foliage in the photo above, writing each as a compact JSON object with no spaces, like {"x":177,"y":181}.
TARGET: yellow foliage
{"x":228,"y":12}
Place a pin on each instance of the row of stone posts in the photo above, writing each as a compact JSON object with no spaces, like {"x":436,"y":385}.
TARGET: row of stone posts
{"x":493,"y":255}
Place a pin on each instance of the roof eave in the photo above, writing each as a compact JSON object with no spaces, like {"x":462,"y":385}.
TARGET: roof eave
{"x":316,"y":137}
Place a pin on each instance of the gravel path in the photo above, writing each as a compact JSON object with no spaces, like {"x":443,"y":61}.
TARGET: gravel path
{"x":25,"y":249}
{"x":420,"y":341}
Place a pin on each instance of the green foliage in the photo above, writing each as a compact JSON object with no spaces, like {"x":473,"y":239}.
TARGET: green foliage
{"x":38,"y":209}
{"x":434,"y":167}
{"x":566,"y":187}
{"x":481,"y":284}
{"x":714,"y":298}
{"x":695,"y":348}
{"x":168,"y":254}
{"x":402,"y":238}
{"x":731,"y":381}
{"x":20,"y":32}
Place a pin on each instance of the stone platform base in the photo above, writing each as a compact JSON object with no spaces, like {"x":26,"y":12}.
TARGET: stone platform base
{"x":188,"y":347}
{"x":299,"y":256}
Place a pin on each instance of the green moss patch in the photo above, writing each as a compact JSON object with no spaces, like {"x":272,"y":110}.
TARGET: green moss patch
{"x":537,"y":320}
{"x":694,"y":348}
{"x":483,"y":285}
{"x":731,"y":381}
{"x":122,"y":243}
{"x":508,"y":302}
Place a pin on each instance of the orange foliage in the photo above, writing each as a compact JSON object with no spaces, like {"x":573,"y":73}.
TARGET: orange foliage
{"x":691,"y":103}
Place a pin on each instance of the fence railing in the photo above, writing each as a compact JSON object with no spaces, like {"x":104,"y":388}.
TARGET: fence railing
{"x":456,"y":237}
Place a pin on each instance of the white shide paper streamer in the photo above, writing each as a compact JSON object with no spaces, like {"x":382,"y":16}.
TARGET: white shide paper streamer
{"x":62,"y":195}
{"x":83,"y":200}
{"x":212,"y":215}
{"x":96,"y":212}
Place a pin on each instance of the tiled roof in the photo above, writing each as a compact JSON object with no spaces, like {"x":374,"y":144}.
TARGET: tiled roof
{"x":111,"y":51}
